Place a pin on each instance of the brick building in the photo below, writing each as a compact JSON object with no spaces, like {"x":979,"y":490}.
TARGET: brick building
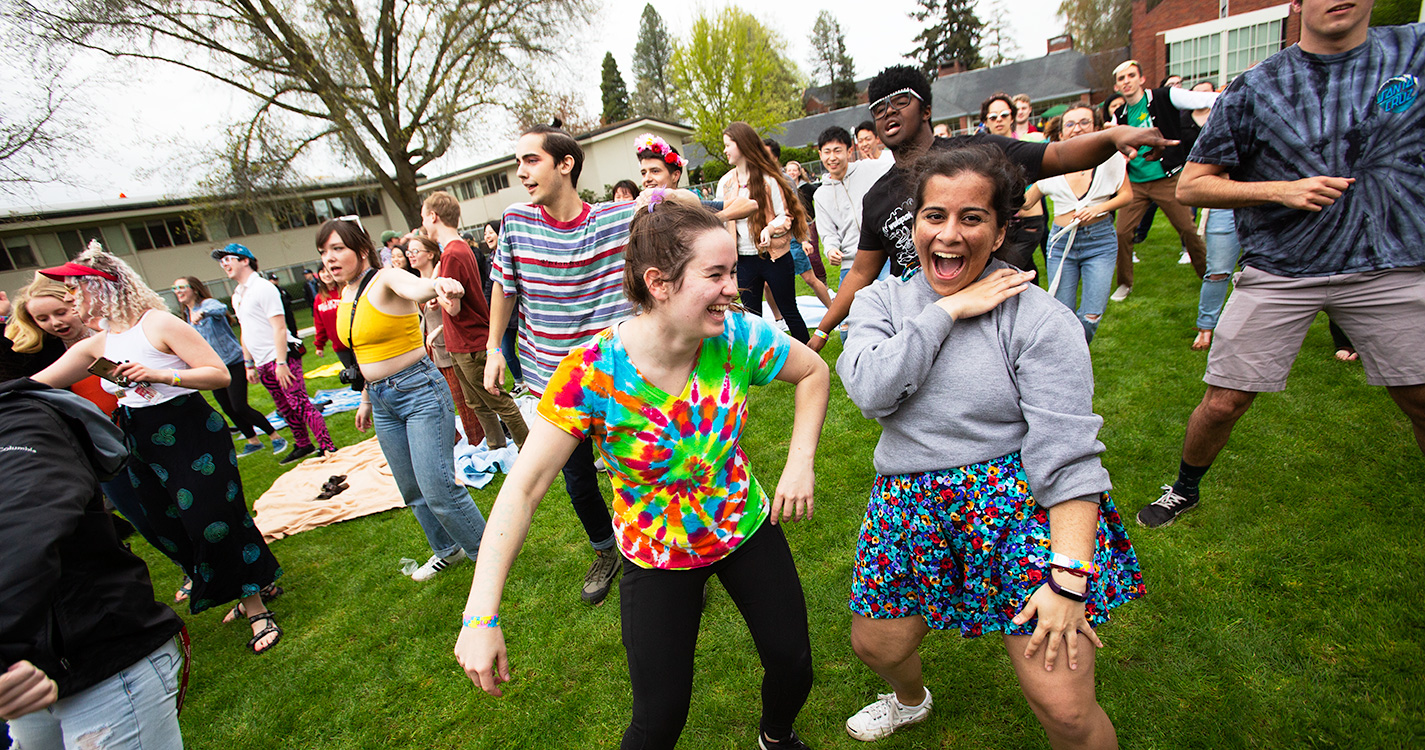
{"x":1208,"y":39}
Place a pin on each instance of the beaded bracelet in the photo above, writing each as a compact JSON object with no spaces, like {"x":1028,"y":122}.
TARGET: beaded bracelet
{"x":1066,"y":563}
{"x":481,"y":621}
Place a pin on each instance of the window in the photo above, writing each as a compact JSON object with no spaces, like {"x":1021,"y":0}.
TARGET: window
{"x":158,"y":233}
{"x":368,"y":204}
{"x":15,"y":253}
{"x":241,"y":223}
{"x":1197,"y":59}
{"x":466,"y":190}
{"x":74,"y":241}
{"x":1248,"y":46}
{"x":1223,"y":49}
{"x":495,"y":183}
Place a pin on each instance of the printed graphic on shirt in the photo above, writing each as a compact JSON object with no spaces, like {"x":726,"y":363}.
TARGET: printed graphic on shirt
{"x":1397,"y":94}
{"x":897,"y":231}
{"x":684,"y":496}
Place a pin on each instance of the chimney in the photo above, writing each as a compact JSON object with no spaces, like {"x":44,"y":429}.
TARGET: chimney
{"x":1061,"y":43}
{"x":951,"y":68}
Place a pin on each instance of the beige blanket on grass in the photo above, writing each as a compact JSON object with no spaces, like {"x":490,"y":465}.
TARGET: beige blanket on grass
{"x":291,"y":506}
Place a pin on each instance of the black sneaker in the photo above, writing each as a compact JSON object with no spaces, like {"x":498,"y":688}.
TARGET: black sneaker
{"x":1166,"y":509}
{"x":600,"y":577}
{"x":298,"y":454}
{"x":791,"y":743}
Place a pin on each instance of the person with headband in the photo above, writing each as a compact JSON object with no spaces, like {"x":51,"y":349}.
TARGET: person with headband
{"x":662,"y":396}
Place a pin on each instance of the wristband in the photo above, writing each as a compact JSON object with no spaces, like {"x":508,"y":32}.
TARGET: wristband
{"x":1072,"y":596}
{"x":819,"y":333}
{"x":496,"y":350}
{"x":1067,"y":563}
{"x":177,"y":379}
{"x":477,"y":621}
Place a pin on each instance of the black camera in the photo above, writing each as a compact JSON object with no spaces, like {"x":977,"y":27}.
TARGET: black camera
{"x":352,"y":377}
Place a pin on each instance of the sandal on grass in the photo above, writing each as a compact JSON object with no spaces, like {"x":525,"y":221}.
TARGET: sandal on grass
{"x":184,"y":589}
{"x":269,"y":629}
{"x":269,"y":592}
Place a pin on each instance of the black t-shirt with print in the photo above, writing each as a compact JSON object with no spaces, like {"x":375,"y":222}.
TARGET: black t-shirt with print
{"x":886,"y":217}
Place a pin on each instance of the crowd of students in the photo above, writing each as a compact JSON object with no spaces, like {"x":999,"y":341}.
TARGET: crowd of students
{"x":637,"y":325}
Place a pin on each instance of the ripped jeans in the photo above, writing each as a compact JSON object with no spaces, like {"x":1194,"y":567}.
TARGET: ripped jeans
{"x":135,"y":709}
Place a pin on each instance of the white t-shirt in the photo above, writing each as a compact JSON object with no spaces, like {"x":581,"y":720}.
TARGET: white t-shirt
{"x":256,"y":301}
{"x":746,"y":243}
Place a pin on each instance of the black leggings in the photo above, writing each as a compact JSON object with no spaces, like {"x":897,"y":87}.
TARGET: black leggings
{"x":661,"y":610}
{"x":753,"y":271}
{"x":233,"y":401}
{"x":581,"y":480}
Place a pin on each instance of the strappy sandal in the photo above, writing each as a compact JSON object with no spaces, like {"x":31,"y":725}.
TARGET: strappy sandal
{"x":269,"y":593}
{"x":184,"y":590}
{"x":330,"y":491}
{"x":272,"y":627}
{"x":334,"y":481}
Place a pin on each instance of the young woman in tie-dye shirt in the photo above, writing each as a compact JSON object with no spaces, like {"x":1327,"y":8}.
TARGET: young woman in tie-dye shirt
{"x":663,"y":397}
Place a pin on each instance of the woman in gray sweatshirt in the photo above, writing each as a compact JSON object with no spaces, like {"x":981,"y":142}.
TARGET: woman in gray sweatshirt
{"x":990,"y":509}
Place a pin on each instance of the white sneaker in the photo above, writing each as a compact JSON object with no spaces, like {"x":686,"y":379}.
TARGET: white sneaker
{"x":1184,"y":259}
{"x":436,"y":563}
{"x":1135,"y":257}
{"x":885,"y":716}
{"x":1121,"y":293}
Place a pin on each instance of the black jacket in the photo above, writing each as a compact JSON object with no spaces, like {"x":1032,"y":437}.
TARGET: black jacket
{"x":73,"y":600}
{"x":1168,"y":120}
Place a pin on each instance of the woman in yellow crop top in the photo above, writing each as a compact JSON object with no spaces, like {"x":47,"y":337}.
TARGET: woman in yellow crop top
{"x":405,"y":397}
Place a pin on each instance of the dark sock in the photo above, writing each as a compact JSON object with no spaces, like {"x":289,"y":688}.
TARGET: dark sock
{"x":1189,"y":477}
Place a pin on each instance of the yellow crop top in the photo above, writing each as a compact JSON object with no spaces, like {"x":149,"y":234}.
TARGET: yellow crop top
{"x":379,"y":336}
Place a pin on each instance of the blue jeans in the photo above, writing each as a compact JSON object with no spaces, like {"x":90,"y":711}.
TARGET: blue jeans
{"x":1091,"y":261}
{"x":136,"y":709}
{"x":414,"y":415}
{"x":1223,"y":250}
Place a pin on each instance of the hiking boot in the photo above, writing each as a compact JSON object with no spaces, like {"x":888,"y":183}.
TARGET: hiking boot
{"x":436,"y":563}
{"x":885,"y":716}
{"x":1166,"y":509}
{"x":600,"y":577}
{"x":298,"y":454}
{"x":791,"y":743}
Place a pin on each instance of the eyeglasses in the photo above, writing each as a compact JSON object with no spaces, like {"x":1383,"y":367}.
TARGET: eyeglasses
{"x":997,"y":117}
{"x":1084,"y":124}
{"x":896,"y":100}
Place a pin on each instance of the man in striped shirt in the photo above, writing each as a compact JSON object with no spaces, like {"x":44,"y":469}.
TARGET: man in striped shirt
{"x":559,"y":265}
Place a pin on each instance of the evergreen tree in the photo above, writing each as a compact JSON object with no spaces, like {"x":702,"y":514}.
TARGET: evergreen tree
{"x":1000,"y":47}
{"x":615,"y":93}
{"x":830,"y":62}
{"x":653,"y":95}
{"x":951,"y":34}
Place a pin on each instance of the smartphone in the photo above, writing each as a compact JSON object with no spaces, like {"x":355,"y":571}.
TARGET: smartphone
{"x":107,"y":369}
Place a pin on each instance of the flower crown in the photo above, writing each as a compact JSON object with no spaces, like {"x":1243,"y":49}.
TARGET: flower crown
{"x":651,"y":142}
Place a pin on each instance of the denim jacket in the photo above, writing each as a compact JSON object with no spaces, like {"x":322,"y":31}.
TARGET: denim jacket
{"x":213,"y":325}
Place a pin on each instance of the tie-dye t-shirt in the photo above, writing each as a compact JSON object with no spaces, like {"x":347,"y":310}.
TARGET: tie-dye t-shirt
{"x":684,"y":495}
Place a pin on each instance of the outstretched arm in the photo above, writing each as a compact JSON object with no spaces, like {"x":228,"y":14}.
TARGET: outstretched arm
{"x":1092,"y":149}
{"x":481,"y":650}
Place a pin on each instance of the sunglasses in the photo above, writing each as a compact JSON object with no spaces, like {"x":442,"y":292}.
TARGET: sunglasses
{"x":896,"y":100}
{"x":180,"y":287}
{"x":998,"y":117}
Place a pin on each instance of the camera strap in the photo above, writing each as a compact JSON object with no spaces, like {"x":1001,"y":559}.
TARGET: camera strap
{"x":351,"y":326}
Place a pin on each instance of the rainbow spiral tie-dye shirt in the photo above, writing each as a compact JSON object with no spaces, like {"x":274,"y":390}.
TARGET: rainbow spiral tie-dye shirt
{"x":684,"y":495}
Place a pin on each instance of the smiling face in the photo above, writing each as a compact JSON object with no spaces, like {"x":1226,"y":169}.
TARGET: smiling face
{"x":56,"y":317}
{"x":955,"y":231}
{"x":183,"y":292}
{"x":1076,"y":122}
{"x":542,"y":177}
{"x":793,"y":171}
{"x":730,"y":150}
{"x":343,"y":263}
{"x":698,"y":302}
{"x":999,"y":119}
{"x":834,"y":156}
{"x":866,"y":144}
{"x":654,"y":173}
{"x":325,"y":276}
{"x":491,"y":237}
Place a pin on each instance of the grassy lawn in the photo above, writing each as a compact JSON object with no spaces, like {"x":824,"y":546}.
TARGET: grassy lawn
{"x":1281,"y":615}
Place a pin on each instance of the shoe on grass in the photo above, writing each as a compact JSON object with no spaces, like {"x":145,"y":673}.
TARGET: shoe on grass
{"x":298,"y":454}
{"x":885,"y":716}
{"x":436,"y":563}
{"x":1184,"y":259}
{"x":250,"y":448}
{"x":600,"y":577}
{"x":791,"y":743}
{"x":279,"y":444}
{"x":1166,"y":509}
{"x":1121,"y":293}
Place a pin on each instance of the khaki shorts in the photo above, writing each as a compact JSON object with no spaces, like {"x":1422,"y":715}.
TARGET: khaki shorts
{"x":1267,"y":317}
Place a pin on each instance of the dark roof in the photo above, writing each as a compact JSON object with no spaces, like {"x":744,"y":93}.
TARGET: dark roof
{"x":580,"y":137}
{"x":1053,"y":76}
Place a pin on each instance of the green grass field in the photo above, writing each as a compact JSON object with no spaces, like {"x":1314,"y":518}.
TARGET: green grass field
{"x":1283,"y":614}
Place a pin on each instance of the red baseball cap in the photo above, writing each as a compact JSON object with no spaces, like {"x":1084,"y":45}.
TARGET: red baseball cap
{"x":74,"y":269}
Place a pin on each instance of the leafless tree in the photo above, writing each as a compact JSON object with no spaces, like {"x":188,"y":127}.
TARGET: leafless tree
{"x":391,"y":84}
{"x":38,"y":125}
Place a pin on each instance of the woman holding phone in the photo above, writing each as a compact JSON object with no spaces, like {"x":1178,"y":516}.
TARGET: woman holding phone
{"x":183,"y":466}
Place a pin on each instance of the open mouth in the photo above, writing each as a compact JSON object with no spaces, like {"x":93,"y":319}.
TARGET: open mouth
{"x":718,"y":311}
{"x":946,"y":266}
{"x":891,"y":127}
{"x":530,"y":186}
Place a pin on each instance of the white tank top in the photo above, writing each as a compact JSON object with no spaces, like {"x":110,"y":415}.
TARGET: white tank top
{"x":133,"y":346}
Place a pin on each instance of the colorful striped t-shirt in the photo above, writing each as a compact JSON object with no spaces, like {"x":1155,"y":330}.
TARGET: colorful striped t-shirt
{"x":567,"y":278}
{"x":684,"y":494}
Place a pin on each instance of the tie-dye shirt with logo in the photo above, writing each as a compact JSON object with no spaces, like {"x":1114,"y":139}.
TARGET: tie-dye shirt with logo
{"x":684,"y":494}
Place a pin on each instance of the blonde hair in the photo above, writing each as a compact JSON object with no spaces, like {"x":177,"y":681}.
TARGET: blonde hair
{"x":122,"y":301}
{"x":22,"y":329}
{"x":1125,"y":65}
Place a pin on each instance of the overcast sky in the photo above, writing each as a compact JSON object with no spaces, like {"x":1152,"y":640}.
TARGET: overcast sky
{"x":150,"y":126}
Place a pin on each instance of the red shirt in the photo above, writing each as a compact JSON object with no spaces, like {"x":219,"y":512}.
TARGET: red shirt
{"x":469,"y":331}
{"x":324,"y":317}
